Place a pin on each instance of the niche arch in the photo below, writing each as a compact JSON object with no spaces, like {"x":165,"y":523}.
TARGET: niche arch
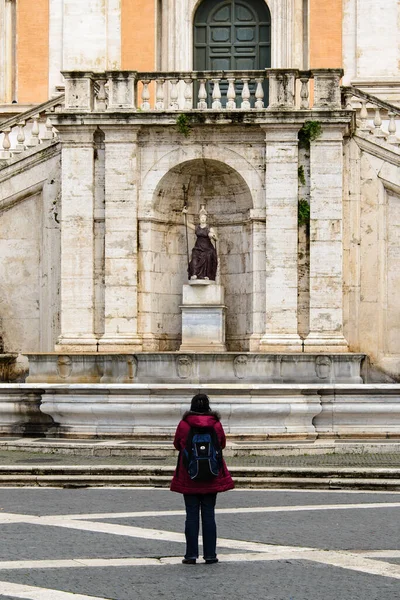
{"x":163,"y":250}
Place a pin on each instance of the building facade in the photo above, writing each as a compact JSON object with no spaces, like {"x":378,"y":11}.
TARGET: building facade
{"x":151,"y":105}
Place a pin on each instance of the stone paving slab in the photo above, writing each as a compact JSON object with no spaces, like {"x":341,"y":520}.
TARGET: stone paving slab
{"x":43,"y":542}
{"x":278,"y":580}
{"x":274,"y":545}
{"x":371,"y":529}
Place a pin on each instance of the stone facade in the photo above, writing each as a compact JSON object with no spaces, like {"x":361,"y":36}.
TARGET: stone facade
{"x":111,"y":280}
{"x":94,"y":251}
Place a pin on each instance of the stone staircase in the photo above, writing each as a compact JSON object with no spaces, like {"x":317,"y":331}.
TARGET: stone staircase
{"x":158,"y":476}
{"x":321,"y":397}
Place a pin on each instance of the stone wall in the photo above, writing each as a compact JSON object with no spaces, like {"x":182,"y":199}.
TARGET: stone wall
{"x":30,"y":253}
{"x":371,"y":49}
{"x":227,"y":175}
{"x":371,"y":252}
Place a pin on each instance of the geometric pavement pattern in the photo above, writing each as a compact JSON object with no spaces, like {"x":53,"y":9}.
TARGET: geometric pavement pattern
{"x":127,"y":544}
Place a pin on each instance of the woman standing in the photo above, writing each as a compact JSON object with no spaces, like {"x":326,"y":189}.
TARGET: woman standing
{"x":200,"y":496}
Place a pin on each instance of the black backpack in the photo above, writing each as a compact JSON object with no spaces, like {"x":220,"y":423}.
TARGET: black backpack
{"x":202,"y":456}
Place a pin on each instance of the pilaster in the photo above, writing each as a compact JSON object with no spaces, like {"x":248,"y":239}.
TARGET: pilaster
{"x":77,"y":240}
{"x":121,"y":240}
{"x":281,"y":190}
{"x":326,"y":243}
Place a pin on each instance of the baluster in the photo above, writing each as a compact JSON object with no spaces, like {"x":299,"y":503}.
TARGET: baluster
{"x":216,"y":95}
{"x":145,"y":105}
{"x":202,"y":104}
{"x":245,"y":94}
{"x":160,"y":94}
{"x":188,"y":94}
{"x":48,"y":134}
{"x":5,"y":153}
{"x":364,"y":115}
{"x":259,"y":93}
{"x":304,"y":103}
{"x":20,"y":147}
{"x":378,"y":132}
{"x":101,"y":98}
{"x":392,"y":139}
{"x":174,"y":95}
{"x":34,"y":139}
{"x":231,"y":94}
{"x":347,"y":101}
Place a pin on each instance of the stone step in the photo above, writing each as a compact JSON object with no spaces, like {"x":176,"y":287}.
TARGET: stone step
{"x":165,"y":449}
{"x":245,"y":477}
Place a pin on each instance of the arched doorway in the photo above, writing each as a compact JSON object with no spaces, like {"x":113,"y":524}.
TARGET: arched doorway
{"x":232,"y":35}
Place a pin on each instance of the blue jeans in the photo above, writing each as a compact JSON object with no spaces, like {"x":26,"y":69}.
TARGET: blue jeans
{"x":193,"y":504}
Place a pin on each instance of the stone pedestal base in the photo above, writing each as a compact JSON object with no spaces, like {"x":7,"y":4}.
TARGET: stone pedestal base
{"x":203,"y":317}
{"x":120,"y":343}
{"x":284,"y":342}
{"x":78,"y":344}
{"x":319,"y":342}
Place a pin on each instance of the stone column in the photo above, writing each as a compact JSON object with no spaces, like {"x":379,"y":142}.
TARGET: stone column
{"x":258,"y":277}
{"x":77,"y":240}
{"x":326,"y":244}
{"x":281,"y":190}
{"x":121,"y":240}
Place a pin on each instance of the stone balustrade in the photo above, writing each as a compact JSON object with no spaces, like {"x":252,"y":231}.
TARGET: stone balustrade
{"x":372,"y":114}
{"x":29,"y":129}
{"x":271,"y":89}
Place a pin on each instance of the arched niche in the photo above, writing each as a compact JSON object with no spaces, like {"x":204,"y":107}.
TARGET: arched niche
{"x":164,"y":245}
{"x":213,"y":183}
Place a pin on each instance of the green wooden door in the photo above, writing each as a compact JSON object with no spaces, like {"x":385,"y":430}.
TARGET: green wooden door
{"x":232,"y":35}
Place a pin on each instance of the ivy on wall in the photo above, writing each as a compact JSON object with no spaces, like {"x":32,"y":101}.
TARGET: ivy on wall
{"x":183,"y":125}
{"x":310,"y":131}
{"x":301,"y":174}
{"x":303,"y":213}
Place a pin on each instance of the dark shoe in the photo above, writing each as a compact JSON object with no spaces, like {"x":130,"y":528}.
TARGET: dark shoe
{"x":211,"y":561}
{"x":189,"y":561}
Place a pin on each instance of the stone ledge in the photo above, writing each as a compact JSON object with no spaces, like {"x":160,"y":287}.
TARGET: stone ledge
{"x":195,"y":367}
{"x":293,"y":412}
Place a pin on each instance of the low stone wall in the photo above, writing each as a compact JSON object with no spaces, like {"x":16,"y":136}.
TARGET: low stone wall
{"x":258,"y":411}
{"x":178,"y":367}
{"x":20,"y":410}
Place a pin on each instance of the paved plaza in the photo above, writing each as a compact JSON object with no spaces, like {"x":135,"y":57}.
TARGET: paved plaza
{"x":127,"y":544}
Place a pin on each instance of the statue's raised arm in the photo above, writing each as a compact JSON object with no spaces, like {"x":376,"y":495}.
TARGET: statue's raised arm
{"x":185,"y":219}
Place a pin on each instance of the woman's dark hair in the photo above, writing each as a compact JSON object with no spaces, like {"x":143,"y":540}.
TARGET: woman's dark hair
{"x":200,"y":403}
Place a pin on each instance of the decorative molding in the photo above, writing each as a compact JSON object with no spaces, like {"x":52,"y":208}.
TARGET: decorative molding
{"x":37,"y":155}
{"x":383,"y":149}
{"x":7,"y":203}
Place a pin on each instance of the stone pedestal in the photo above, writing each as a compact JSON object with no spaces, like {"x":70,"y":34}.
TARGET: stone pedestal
{"x":203,"y":317}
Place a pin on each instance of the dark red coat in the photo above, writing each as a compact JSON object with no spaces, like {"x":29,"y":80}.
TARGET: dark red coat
{"x":181,"y":481}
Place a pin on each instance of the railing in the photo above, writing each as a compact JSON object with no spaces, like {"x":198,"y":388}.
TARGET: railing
{"x":29,"y":129}
{"x":382,"y":111}
{"x":287,"y":89}
{"x":133,"y":91}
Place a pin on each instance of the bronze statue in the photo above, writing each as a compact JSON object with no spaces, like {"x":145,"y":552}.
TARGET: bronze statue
{"x":204,"y":261}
